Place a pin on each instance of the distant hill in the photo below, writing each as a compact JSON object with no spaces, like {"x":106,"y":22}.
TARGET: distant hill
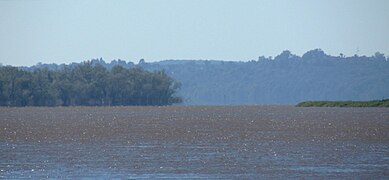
{"x":285,"y":79}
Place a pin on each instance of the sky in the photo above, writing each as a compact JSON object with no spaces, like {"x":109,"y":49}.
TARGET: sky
{"x":59,"y":31}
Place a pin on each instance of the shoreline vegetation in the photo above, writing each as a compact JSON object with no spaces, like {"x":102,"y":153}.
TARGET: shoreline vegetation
{"x":373,"y":103}
{"x":86,"y":85}
{"x":285,"y":79}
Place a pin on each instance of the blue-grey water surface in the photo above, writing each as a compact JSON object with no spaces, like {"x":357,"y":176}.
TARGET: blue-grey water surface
{"x":194,"y":142}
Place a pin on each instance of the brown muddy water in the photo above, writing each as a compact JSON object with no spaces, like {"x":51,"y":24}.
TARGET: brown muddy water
{"x":237,"y":142}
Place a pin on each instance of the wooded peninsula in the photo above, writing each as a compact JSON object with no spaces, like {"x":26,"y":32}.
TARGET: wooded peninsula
{"x":86,"y":85}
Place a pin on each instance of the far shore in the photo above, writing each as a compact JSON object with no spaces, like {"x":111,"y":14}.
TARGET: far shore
{"x":373,"y":103}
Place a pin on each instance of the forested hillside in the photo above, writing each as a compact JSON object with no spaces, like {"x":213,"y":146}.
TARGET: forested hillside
{"x":87,"y":85}
{"x":284,"y":79}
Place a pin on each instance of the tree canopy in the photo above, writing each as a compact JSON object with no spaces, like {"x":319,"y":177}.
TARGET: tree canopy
{"x":86,"y":84}
{"x":284,"y":79}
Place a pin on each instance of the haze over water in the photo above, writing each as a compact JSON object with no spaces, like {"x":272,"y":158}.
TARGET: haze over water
{"x":189,"y":108}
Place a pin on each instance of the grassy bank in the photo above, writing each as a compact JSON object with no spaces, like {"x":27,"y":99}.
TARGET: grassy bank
{"x":375,"y":103}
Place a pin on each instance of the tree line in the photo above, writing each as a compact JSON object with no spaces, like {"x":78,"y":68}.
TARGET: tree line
{"x":86,"y":84}
{"x":284,"y":79}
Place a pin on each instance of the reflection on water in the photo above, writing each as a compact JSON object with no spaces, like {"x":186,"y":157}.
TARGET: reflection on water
{"x":260,"y":159}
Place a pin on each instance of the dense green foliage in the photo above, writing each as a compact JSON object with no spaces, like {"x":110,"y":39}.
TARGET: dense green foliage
{"x":376,"y":103}
{"x":87,"y":85}
{"x":283,"y":79}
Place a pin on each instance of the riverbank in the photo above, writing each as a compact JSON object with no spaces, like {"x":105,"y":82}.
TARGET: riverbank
{"x":374,"y":103}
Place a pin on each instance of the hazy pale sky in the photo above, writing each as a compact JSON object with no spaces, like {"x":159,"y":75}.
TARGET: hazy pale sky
{"x":72,"y":31}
